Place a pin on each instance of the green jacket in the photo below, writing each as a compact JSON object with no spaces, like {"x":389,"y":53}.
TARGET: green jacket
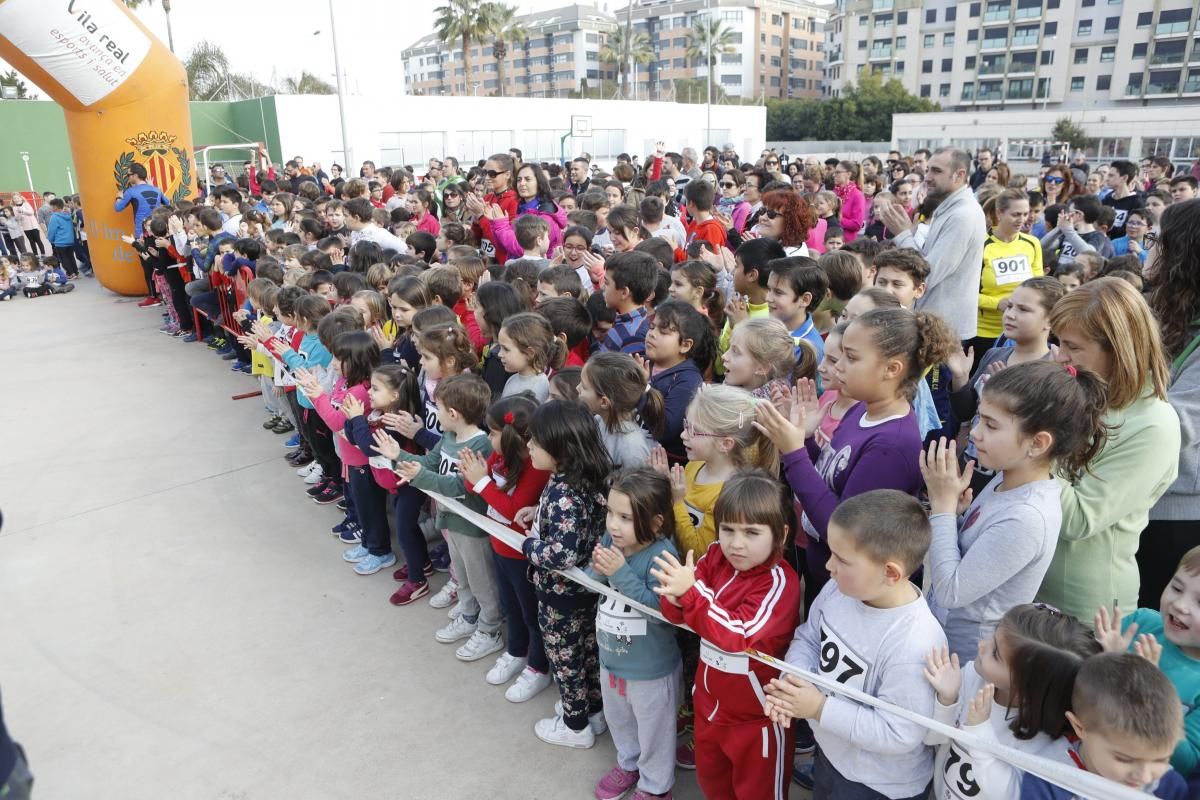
{"x":439,"y":474}
{"x":1105,"y":512}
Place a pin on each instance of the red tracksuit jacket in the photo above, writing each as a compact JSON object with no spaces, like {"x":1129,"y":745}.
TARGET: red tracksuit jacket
{"x":733,"y":611}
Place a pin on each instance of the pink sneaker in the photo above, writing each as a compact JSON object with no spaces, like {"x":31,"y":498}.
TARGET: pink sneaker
{"x":615,"y":784}
{"x":640,"y":795}
{"x":685,"y":754}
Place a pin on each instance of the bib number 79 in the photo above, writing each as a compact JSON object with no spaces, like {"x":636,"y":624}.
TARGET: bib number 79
{"x":840,"y":662}
{"x":959,"y":775}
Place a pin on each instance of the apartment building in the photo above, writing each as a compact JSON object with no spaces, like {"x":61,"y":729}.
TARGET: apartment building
{"x":983,"y":54}
{"x":777,"y":52}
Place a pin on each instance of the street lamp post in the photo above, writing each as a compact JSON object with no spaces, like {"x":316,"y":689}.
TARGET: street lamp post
{"x":337,"y":66}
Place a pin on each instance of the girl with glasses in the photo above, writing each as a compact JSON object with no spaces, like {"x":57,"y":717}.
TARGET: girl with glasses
{"x":1138,"y":238}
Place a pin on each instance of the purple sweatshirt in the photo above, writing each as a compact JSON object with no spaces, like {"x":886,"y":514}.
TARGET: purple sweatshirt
{"x":861,"y":457}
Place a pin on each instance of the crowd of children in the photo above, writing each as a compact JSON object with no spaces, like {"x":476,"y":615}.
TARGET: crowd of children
{"x":765,"y":442}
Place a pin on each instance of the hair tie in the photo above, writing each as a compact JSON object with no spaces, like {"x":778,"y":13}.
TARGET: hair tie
{"x":1074,"y":373}
{"x":647,"y":389}
{"x":508,"y":418}
{"x":1047,"y":608}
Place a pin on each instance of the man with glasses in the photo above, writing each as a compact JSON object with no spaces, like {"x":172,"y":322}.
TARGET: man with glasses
{"x":953,"y":245}
{"x":434,"y":171}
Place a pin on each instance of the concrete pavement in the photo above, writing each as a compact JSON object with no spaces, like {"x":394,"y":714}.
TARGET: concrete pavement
{"x":176,"y":619}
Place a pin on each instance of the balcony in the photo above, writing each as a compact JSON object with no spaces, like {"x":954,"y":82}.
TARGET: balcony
{"x":1028,"y":40}
{"x":1164,"y":87}
{"x":1166,"y":58}
{"x":995,"y":44}
{"x":1192,"y":84}
{"x":1172,"y":28}
{"x":998,"y":67}
{"x":879,"y":54}
{"x":1030,"y":13}
{"x":882,"y":5}
{"x":835,"y":56}
{"x":1021,"y":68}
{"x":997,"y":16}
{"x":1133,"y":91}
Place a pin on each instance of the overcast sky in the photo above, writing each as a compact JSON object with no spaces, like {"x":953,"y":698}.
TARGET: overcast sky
{"x":272,"y":39}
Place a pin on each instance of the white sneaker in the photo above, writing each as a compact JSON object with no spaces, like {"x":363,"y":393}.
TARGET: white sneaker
{"x":455,"y":611}
{"x":457,"y":629}
{"x":554,"y":730}
{"x":307,"y":469}
{"x":527,"y":685}
{"x":479,"y":645}
{"x":314,"y":477}
{"x":595,"y":721}
{"x":446,"y":596}
{"x":505,"y":669}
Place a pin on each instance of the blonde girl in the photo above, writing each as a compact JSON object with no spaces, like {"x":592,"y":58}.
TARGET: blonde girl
{"x":760,"y":357}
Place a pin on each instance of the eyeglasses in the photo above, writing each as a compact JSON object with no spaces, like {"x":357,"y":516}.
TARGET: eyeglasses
{"x":772,"y":163}
{"x":691,"y":431}
{"x":725,"y":185}
{"x":1149,"y":240}
{"x":491,"y":173}
{"x":771,"y":213}
{"x":574,"y":248}
{"x":1054,"y":179}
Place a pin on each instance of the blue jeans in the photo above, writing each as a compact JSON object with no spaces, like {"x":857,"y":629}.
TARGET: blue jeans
{"x":830,"y":784}
{"x":409,"y":533}
{"x":520,"y":609}
{"x":19,"y":783}
{"x":370,"y":507}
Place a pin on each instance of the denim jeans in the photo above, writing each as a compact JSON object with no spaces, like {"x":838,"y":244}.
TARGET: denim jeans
{"x":831,"y":784}
{"x":408,"y":531}
{"x":370,"y":508}
{"x":20,"y":782}
{"x":519,"y":602}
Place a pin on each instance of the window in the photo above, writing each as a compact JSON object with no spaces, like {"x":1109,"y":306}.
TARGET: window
{"x":947,"y":65}
{"x":1081,"y":55}
{"x":1051,"y":3}
{"x":1103,"y":83}
{"x":591,"y":38}
{"x":969,"y":63}
{"x":928,"y":40}
{"x":1085,"y":28}
{"x":775,"y":60}
{"x":902,"y":18}
{"x":1051,"y":29}
{"x":1047,"y":58}
{"x":926,"y":68}
{"x":591,"y":55}
{"x":901,"y":42}
{"x":930,"y":18}
{"x":679,"y":41}
{"x":1088,"y":3}
{"x":1139,"y":50}
{"x":951,"y":13}
{"x":1168,"y":52}
{"x":776,"y":20}
{"x":862,"y":44}
{"x":679,"y":63}
{"x":1134,"y":86}
{"x":968,"y":91}
{"x":736,"y":38}
{"x":973,"y":35}
{"x":899,"y":67}
{"x":1164,"y":82}
{"x":774,"y":80}
{"x":731,"y":80}
{"x":1108,"y":54}
{"x":948,"y":38}
{"x":944,"y":90}
{"x":776,"y":41}
{"x":863,"y":20}
{"x":1145,"y":19}
{"x":925,"y":90}
{"x":1077,"y":84}
{"x":1112,"y":24}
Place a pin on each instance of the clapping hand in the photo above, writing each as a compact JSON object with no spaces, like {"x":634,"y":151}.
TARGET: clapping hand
{"x":402,"y":423}
{"x":472,"y":466}
{"x":386,"y":446}
{"x":787,"y":433}
{"x":944,"y":675}
{"x":408,"y":470}
{"x":949,"y":489}
{"x":980,"y":707}
{"x":1108,"y":631}
{"x":790,"y":697}
{"x":674,"y":579}
{"x":607,"y":560}
{"x":960,"y":364}
{"x":352,"y":407}
{"x":659,"y":463}
{"x":309,"y":383}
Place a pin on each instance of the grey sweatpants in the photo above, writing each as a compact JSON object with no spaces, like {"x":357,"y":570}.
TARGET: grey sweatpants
{"x":475,"y":571}
{"x":641,"y":719}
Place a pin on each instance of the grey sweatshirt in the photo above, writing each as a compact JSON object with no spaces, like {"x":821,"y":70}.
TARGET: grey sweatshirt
{"x":881,"y":652}
{"x":628,"y":446}
{"x":1182,"y":500}
{"x":537,"y":385}
{"x":993,"y":560}
{"x":954,"y":249}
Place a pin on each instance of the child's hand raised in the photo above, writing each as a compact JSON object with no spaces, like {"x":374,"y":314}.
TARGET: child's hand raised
{"x":949,"y":489}
{"x":607,"y":560}
{"x":386,"y":446}
{"x":674,"y":579}
{"x":402,"y":423}
{"x":384,"y":341}
{"x":787,"y":434}
{"x":796,"y":697}
{"x":408,"y":470}
{"x":472,"y":466}
{"x":1148,"y":647}
{"x":352,"y":407}
{"x":1108,"y":631}
{"x":980,"y":707}
{"x":944,"y":675}
{"x":737,"y":309}
{"x":660,"y":463}
{"x":960,"y":364}
{"x":658,"y":460}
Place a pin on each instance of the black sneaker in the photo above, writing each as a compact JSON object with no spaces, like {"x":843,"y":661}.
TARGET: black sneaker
{"x":271,"y":423}
{"x":298,"y":458}
{"x":331,"y":494}
{"x":318,"y":488}
{"x":341,"y":504}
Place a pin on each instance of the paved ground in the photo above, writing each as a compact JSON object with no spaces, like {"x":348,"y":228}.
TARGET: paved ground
{"x":177,"y":621}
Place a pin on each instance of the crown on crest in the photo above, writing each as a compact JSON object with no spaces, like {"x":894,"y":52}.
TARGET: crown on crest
{"x":152,"y":140}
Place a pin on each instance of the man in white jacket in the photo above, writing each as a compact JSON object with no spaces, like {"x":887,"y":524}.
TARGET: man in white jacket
{"x":954,"y":244}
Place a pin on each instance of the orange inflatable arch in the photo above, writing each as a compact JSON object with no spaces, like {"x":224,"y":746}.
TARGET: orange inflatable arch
{"x":125,"y":97}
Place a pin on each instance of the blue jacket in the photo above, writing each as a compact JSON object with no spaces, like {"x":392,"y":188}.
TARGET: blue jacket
{"x":145,"y":197}
{"x":61,"y":229}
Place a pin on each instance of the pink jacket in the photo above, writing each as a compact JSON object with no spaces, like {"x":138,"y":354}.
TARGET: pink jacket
{"x":429,"y":224}
{"x":816,"y":236}
{"x":854,"y":209}
{"x":26,"y":215}
{"x":502,"y":231}
{"x":329,"y":406}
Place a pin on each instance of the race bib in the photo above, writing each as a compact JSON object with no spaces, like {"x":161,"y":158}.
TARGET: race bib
{"x":733,"y":663}
{"x":840,"y":662}
{"x":448,"y":465}
{"x":958,"y":775}
{"x":432,"y":423}
{"x":1068,"y":251}
{"x":619,"y":619}
{"x":1013,"y":269}
{"x":695,"y":515}
{"x":1119,"y":222}
{"x":487,"y":248}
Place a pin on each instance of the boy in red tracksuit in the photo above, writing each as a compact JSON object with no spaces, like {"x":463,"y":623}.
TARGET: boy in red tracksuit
{"x":701,"y":224}
{"x":740,"y":595}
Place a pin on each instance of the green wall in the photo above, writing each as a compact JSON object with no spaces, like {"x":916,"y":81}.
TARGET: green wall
{"x":39,"y":128}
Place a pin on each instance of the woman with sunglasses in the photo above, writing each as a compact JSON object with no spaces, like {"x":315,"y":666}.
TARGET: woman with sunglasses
{"x":786,"y":218}
{"x":453,"y":202}
{"x":533,"y":197}
{"x":1173,"y":266}
{"x":500,"y":200}
{"x":731,"y":200}
{"x":1057,"y":185}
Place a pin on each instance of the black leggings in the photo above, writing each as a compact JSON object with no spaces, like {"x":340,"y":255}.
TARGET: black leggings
{"x":323,"y":447}
{"x":35,"y":242}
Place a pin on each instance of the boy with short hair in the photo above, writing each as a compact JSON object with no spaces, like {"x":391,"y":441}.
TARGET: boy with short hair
{"x":423,"y":245}
{"x":60,"y":231}
{"x":702,"y":225}
{"x":1127,"y":720}
{"x":532,"y":234}
{"x":1076,"y":231}
{"x":462,"y":401}
{"x":835,"y":239}
{"x":629,"y":281}
{"x":602,"y":318}
{"x":451,"y":285}
{"x":796,"y":285}
{"x":559,"y":281}
{"x":322,"y":284}
{"x":870,"y":628}
{"x":751,"y":273}
{"x":902,"y":272}
{"x":335,"y":248}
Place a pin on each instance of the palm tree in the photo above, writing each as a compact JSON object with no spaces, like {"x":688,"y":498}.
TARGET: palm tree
{"x":307,"y":83}
{"x":133,"y":5}
{"x":505,"y":28}
{"x":621,"y":50}
{"x":465,"y":20}
{"x":207,"y":70}
{"x":709,"y":38}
